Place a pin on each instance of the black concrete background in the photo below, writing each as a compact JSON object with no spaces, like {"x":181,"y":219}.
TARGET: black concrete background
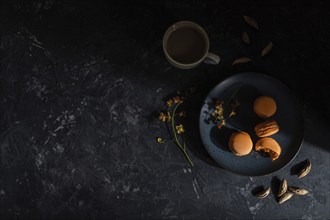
{"x":82,"y":83}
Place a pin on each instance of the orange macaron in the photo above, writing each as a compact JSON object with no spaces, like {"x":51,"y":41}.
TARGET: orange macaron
{"x":264,"y":106}
{"x":240,"y":143}
{"x":266,"y":128}
{"x":269,"y":146}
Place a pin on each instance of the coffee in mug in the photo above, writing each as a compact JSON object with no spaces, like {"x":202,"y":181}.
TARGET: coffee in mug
{"x":186,"y":45}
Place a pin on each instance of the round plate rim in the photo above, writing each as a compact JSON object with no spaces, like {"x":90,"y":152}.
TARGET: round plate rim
{"x":259,"y":75}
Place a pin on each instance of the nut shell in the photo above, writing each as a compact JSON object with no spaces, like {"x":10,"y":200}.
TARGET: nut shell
{"x":298,"y":191}
{"x":264,"y":193}
{"x":285,"y":197}
{"x":306,"y":169}
{"x":283,"y":188}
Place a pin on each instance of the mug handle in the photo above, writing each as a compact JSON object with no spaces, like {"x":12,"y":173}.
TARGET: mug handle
{"x":211,"y":58}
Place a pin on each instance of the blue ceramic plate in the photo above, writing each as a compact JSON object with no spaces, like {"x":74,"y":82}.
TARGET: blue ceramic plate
{"x":246,"y":87}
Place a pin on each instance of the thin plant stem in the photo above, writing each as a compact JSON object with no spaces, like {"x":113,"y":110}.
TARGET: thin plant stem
{"x":230,"y":98}
{"x":176,"y":137}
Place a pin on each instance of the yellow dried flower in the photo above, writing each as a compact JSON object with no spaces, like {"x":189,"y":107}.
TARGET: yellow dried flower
{"x":169,"y":102}
{"x":219,"y":111}
{"x":223,"y":122}
{"x":218,"y":116}
{"x":234,"y":106}
{"x":182,"y":114}
{"x":177,"y":99}
{"x":168,"y":116}
{"x":162,"y":116}
{"x":232,"y":113}
{"x":160,"y":140}
{"x":179,"y":129}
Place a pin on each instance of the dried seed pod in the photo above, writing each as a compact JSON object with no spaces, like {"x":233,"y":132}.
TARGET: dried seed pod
{"x":267,"y":49}
{"x":298,"y":190}
{"x":250,"y":21}
{"x":283,"y":188}
{"x":306,"y":169}
{"x":241,"y":60}
{"x":285,"y":197}
{"x":246,"y":38}
{"x":264,"y":193}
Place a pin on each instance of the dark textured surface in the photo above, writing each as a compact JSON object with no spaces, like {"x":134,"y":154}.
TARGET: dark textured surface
{"x":82,"y":84}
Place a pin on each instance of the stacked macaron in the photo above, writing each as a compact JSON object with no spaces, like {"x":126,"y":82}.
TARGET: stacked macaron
{"x":265,"y":107}
{"x":240,"y":143}
{"x":266,"y":128}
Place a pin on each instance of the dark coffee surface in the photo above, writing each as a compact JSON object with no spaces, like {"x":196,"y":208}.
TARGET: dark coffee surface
{"x":186,"y":45}
{"x":81,"y":87}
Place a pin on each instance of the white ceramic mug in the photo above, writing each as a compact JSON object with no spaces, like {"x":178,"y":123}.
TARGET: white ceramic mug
{"x":186,"y":45}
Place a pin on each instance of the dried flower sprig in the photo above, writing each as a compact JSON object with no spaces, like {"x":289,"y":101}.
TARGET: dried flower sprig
{"x":220,"y":107}
{"x":218,"y":116}
{"x":233,"y":105}
{"x":177,"y":130}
